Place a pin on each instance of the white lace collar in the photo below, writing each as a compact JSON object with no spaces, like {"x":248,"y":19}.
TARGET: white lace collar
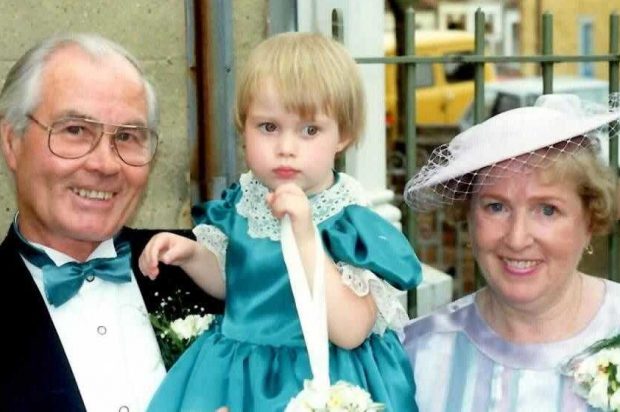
{"x":262,"y":224}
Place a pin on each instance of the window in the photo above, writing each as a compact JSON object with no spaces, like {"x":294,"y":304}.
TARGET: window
{"x":586,"y":69}
{"x":596,"y":95}
{"x":504,"y":102}
{"x":456,"y":22}
{"x":424,"y":75}
{"x":459,"y":71}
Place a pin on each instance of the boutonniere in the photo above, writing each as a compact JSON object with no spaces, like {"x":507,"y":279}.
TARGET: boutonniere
{"x":340,"y":397}
{"x":596,"y":374}
{"x":177,"y":326}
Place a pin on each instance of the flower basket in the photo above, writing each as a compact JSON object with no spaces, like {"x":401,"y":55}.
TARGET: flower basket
{"x":340,"y":397}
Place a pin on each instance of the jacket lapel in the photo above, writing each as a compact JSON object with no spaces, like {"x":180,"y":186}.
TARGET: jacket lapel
{"x":36,"y":374}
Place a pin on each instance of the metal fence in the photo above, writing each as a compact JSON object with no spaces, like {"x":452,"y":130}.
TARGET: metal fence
{"x":546,"y":60}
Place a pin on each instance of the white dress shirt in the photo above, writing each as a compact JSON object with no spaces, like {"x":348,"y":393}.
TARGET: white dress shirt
{"x":107,"y":336}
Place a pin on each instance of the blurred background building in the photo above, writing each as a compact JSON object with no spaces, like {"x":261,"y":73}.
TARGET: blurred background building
{"x":192,"y":50}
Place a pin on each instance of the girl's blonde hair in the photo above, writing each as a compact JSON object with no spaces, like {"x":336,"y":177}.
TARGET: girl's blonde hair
{"x":312,"y":74}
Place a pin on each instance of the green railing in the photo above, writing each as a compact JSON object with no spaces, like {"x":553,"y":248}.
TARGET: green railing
{"x":546,"y":60}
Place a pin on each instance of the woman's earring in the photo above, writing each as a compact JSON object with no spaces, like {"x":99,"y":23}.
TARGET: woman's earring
{"x":589,"y":249}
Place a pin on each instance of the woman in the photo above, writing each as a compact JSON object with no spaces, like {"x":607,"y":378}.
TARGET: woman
{"x":534,"y":192}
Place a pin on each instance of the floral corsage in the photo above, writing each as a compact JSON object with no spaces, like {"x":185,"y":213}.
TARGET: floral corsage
{"x":341,"y":397}
{"x":177,"y":326}
{"x":596,"y":374}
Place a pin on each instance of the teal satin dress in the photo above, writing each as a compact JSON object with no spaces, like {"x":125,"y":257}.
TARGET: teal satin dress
{"x":254,"y":358}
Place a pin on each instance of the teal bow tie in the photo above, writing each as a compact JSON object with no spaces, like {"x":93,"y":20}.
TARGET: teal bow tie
{"x":62,"y":282}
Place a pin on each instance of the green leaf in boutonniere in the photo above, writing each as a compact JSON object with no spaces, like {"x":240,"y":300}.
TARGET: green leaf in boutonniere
{"x":177,"y":326}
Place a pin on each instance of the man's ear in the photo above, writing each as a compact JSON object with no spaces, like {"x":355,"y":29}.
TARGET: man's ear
{"x":8,"y":143}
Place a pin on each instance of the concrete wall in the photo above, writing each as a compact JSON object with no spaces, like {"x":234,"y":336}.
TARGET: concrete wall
{"x":154,"y":31}
{"x":250,"y":27}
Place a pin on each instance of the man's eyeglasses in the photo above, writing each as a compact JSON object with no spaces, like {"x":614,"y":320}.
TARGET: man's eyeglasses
{"x":74,"y":137}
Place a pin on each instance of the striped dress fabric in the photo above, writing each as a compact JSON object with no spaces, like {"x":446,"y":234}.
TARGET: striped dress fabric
{"x":461,"y":364}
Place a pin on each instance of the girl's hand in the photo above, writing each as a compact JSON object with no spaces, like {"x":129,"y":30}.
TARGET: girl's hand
{"x":167,"y":248}
{"x":290,"y":199}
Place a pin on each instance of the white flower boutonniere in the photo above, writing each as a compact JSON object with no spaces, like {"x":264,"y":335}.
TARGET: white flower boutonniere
{"x":340,"y":397}
{"x":176,"y":327}
{"x":191,"y":326}
{"x":596,"y":374}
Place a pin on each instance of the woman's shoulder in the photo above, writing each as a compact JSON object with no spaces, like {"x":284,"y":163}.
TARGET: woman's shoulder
{"x":609,"y":312}
{"x":449,"y":319}
{"x":613,"y":288}
{"x":462,"y":318}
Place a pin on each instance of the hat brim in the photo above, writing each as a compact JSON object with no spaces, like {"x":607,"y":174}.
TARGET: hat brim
{"x":495,"y":140}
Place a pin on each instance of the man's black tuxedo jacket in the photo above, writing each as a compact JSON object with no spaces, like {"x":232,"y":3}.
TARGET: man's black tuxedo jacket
{"x":35,"y":373}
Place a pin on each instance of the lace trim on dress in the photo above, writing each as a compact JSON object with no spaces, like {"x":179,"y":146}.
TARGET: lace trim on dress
{"x":216,"y":241}
{"x":391,"y":313}
{"x":262,"y":224}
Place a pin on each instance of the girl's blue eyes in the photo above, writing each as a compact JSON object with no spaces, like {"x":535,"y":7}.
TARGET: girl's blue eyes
{"x":269,"y":127}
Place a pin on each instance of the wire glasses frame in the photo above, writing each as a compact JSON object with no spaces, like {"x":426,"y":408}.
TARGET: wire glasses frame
{"x":76,"y":137}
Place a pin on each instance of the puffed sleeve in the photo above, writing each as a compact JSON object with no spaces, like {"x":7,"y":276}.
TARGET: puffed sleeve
{"x":220,"y":211}
{"x":373,"y":257}
{"x":213,"y":221}
{"x":360,"y":237}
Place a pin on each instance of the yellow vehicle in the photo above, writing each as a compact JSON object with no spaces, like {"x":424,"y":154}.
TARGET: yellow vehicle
{"x":444,"y":91}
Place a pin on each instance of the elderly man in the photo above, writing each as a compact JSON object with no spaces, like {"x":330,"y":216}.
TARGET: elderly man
{"x":77,"y":126}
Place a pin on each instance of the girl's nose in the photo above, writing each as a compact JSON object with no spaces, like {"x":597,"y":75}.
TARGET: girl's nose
{"x":287,"y":144}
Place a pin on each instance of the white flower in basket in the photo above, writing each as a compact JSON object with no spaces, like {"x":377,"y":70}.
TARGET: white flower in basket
{"x":340,"y":397}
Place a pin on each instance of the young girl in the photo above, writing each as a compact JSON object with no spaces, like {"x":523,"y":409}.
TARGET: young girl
{"x":299,"y":104}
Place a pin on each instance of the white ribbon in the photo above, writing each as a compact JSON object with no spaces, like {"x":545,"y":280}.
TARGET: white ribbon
{"x":311,"y":306}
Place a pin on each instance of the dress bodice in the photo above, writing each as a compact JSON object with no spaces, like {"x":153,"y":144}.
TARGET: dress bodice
{"x":254,"y":358}
{"x":257,"y":284}
{"x":474,"y":369}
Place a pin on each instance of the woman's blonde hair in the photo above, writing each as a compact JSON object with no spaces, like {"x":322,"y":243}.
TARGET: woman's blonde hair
{"x":312,"y":74}
{"x":596,"y":185}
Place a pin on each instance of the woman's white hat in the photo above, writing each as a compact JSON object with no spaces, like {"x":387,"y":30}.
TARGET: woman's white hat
{"x":556,"y":123}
